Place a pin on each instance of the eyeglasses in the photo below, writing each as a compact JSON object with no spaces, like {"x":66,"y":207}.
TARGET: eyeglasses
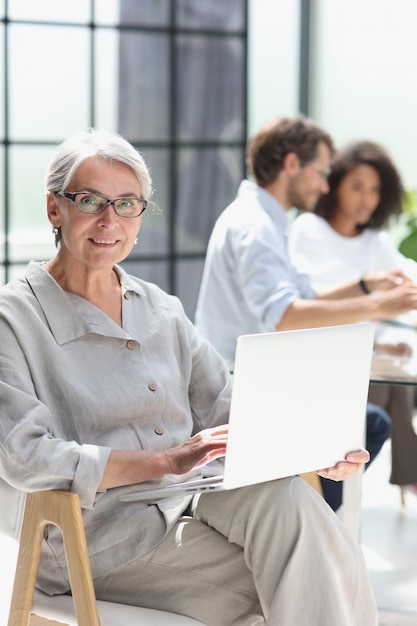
{"x":322,"y":169}
{"x":93,"y":204}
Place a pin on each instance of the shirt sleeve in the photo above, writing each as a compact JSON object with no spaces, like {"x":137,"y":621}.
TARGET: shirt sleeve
{"x":31,"y":456}
{"x":268,"y":280}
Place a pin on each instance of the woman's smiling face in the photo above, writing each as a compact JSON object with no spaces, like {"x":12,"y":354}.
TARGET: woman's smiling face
{"x":97,"y":241}
{"x":358,"y":196}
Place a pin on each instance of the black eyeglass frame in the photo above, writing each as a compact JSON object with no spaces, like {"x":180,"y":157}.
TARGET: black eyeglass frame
{"x":71,"y":195}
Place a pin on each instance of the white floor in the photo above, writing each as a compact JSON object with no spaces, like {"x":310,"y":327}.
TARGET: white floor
{"x":389,"y":540}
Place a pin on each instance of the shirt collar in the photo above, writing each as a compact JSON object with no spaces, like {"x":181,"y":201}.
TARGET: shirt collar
{"x":127,"y":283}
{"x":56,"y":304}
{"x":250,"y":191}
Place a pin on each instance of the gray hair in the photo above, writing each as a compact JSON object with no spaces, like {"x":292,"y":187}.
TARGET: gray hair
{"x":72,"y":152}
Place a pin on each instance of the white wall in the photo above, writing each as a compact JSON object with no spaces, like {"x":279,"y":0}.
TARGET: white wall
{"x":364,"y":74}
{"x":273,"y":60}
{"x":364,"y":82}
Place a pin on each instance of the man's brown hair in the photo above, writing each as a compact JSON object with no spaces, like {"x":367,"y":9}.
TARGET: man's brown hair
{"x":267,"y":149}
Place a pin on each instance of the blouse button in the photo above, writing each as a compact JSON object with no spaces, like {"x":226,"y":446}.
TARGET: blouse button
{"x":126,"y":295}
{"x":159,"y":430}
{"x":152,"y":386}
{"x":130,"y":344}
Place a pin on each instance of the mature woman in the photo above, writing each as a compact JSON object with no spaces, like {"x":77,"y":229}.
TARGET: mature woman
{"x":106,"y":384}
{"x":342,"y":241}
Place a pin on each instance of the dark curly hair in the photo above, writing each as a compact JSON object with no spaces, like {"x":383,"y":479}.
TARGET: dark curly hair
{"x":364,"y":153}
{"x":267,"y":149}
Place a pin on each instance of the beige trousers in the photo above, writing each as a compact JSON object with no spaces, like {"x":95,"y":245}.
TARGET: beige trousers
{"x":270,"y":554}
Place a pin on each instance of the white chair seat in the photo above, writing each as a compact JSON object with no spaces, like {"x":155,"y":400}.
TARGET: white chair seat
{"x":61,"y":608}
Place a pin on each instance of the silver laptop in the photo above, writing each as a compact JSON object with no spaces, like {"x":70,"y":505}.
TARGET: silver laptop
{"x":298,"y":405}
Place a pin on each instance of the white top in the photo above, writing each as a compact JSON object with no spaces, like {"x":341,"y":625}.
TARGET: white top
{"x":331,"y":259}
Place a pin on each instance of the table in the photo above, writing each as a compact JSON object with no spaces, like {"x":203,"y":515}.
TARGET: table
{"x":395,"y":368}
{"x":386,"y":368}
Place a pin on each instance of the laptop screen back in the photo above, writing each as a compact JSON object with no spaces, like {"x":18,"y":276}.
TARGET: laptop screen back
{"x":298,"y":401}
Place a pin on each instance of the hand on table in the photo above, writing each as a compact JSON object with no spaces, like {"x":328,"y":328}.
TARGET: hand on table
{"x":402,"y":349}
{"x":383,"y":280}
{"x":343,"y":469}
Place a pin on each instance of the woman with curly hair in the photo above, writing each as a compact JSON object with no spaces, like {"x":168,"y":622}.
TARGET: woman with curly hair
{"x":342,"y":240}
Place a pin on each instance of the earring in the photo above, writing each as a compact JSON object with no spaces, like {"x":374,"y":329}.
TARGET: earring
{"x":55,"y":230}
{"x":136,"y":241}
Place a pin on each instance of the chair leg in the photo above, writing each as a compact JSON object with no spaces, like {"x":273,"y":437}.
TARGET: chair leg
{"x":62,"y":509}
{"x":313,"y":480}
{"x":26,"y":570}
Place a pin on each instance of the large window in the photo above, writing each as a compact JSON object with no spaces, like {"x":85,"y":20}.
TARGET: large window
{"x":363,"y":75}
{"x":169,"y":75}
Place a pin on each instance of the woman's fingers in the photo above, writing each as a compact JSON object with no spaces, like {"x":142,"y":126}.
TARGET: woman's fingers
{"x":198,"y":450}
{"x":342,"y":470}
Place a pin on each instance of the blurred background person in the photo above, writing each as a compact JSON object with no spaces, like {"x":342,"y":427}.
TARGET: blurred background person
{"x":342,"y":240}
{"x":249,"y":284}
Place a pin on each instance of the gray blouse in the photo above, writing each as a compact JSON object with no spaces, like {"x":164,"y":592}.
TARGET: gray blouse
{"x":74,"y":385}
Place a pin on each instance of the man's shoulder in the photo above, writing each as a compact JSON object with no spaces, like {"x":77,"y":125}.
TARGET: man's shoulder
{"x":244,"y":210}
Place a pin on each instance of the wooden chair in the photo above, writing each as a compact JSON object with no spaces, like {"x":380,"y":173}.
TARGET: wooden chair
{"x":30,"y":607}
{"x":314,"y":481}
{"x":24,"y":517}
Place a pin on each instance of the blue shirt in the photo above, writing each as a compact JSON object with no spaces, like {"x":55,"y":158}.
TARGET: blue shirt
{"x":248,"y":280}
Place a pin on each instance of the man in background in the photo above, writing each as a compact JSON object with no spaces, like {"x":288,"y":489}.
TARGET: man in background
{"x":249,"y":284}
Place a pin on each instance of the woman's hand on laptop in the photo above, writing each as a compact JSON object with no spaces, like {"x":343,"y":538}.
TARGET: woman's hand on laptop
{"x":343,"y":469}
{"x":205,"y":446}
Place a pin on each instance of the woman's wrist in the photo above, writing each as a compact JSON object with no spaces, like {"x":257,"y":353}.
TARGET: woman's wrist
{"x":364,"y":286}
